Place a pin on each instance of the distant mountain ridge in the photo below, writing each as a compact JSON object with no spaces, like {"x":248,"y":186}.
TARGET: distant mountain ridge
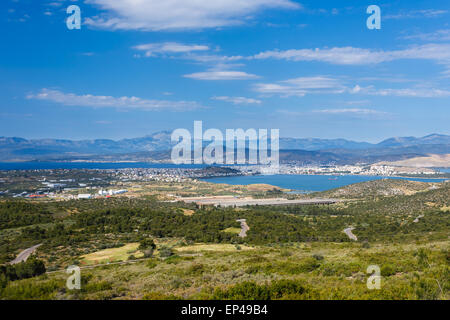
{"x":19,"y":149}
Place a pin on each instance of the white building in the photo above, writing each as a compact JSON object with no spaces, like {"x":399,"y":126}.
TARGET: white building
{"x":84,"y":196}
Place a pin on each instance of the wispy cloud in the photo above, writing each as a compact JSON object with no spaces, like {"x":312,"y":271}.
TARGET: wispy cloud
{"x":438,"y":35}
{"x":237,"y":100}
{"x":436,"y":52}
{"x":301,"y":86}
{"x":221,"y":75}
{"x":411,"y":92}
{"x":357,"y":111}
{"x":151,"y":49}
{"x":428,"y":13}
{"x":359,"y":56}
{"x":125,"y":103}
{"x":103,"y":122}
{"x":154,"y":15}
{"x":325,"y":85}
{"x":363,"y":113}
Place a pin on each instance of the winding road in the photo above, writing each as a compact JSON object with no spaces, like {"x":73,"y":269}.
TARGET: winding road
{"x":244,"y":228}
{"x":350,"y":234}
{"x":25,"y":254}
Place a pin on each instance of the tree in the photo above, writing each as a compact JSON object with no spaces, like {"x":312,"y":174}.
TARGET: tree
{"x":147,"y":246}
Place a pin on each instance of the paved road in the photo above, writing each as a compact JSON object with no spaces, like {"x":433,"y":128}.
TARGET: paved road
{"x":350,"y":234}
{"x":244,"y":228}
{"x":25,"y":254}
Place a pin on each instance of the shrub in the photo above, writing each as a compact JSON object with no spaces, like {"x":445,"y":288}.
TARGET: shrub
{"x":282,"y":289}
{"x":387,"y":270}
{"x":151,"y":264}
{"x":318,"y":257}
{"x":165,"y":252}
{"x":159,"y":296}
{"x":196,"y":269}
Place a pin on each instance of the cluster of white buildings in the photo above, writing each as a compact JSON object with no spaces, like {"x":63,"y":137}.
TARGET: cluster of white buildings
{"x":111,"y":192}
{"x":371,"y":170}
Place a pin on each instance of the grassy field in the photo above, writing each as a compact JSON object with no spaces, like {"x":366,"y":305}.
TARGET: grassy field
{"x":214,"y":248}
{"x":232,"y":230}
{"x":329,"y":271}
{"x":112,"y":255}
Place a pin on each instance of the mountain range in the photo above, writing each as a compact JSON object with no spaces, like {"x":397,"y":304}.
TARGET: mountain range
{"x":157,"y":146}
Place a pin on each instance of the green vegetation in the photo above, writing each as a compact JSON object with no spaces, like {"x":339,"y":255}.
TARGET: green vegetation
{"x":290,"y":252}
{"x":28,"y":269}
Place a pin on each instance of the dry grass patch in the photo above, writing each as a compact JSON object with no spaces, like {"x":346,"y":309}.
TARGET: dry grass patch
{"x":213,"y":247}
{"x":188,"y":212}
{"x":261,"y":187}
{"x":112,"y":254}
{"x":232,"y":230}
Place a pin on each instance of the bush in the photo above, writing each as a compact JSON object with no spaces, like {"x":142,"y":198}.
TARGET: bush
{"x":318,"y":257}
{"x":165,"y":252}
{"x":151,"y":264}
{"x":159,"y":296}
{"x":147,"y":244}
{"x":283,"y":289}
{"x":388,"y":270}
{"x":195,"y":269}
{"x":365,"y":245}
{"x":309,"y":264}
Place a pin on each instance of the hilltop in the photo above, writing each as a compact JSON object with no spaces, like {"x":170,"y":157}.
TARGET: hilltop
{"x":430,"y":161}
{"x":379,"y":188}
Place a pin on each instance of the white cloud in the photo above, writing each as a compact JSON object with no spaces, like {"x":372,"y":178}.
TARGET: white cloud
{"x":345,"y":55}
{"x":438,"y":35}
{"x":153,"y":15}
{"x":357,"y":111}
{"x":324,"y":85}
{"x":237,"y":100}
{"x":428,"y":13}
{"x":151,"y":49}
{"x":318,"y":82}
{"x":221,"y":75}
{"x":412,"y":92}
{"x":359,"y":56}
{"x":126,"y":103}
{"x":301,"y":86}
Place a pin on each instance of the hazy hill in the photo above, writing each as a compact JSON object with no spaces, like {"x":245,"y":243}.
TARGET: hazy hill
{"x":158,"y":145}
{"x":436,"y":161}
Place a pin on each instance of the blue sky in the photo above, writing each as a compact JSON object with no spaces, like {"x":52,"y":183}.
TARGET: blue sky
{"x":308,"y":68}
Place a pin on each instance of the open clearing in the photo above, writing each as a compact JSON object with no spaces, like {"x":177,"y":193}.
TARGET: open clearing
{"x":112,"y":255}
{"x":232,"y":230}
{"x":188,"y":212}
{"x":213,"y":247}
